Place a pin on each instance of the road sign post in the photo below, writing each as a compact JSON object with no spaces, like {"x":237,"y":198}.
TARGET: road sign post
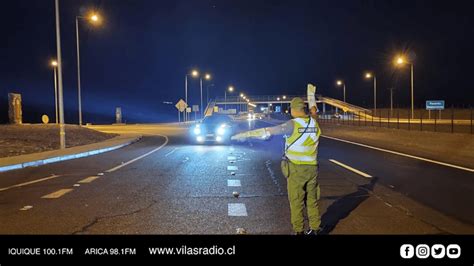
{"x":434,"y":105}
{"x":181,"y":106}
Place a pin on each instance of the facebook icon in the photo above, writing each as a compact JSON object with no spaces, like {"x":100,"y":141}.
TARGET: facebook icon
{"x":407,"y":251}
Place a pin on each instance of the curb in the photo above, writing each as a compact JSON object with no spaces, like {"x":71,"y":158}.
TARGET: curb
{"x":65,"y":157}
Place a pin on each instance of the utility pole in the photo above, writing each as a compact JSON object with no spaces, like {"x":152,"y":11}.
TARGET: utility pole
{"x":62,"y":133}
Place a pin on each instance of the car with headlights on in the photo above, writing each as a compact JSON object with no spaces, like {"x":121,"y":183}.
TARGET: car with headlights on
{"x":214,"y":128}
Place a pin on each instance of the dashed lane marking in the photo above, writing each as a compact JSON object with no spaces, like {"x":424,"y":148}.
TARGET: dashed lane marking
{"x":166,"y":155}
{"x":233,"y":183}
{"x":140,"y":157}
{"x":57,"y":194}
{"x":236,"y":209}
{"x":232,"y":168}
{"x":27,"y":207}
{"x":351,"y":169}
{"x":88,"y":179}
{"x":231,"y":158}
{"x":29,"y":183}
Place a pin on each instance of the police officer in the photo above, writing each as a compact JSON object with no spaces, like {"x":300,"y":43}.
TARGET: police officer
{"x":299,"y":164}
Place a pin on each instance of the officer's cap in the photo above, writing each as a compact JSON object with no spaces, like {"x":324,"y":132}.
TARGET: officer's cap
{"x":297,"y":103}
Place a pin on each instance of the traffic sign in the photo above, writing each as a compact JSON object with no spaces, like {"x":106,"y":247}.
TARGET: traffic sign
{"x":188,"y":109}
{"x":181,"y":105}
{"x":435,"y":105}
{"x":195,"y":108}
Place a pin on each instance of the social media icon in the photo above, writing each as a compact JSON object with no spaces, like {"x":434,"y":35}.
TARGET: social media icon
{"x":438,"y":251}
{"x":453,"y":251}
{"x":407,"y":251}
{"x":422,"y":251}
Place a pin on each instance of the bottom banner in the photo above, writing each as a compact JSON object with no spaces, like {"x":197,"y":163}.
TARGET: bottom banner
{"x":352,"y":250}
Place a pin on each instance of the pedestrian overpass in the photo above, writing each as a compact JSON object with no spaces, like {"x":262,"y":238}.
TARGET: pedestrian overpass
{"x":269,"y":100}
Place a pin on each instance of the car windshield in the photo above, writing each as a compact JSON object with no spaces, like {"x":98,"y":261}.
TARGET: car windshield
{"x":214,"y":119}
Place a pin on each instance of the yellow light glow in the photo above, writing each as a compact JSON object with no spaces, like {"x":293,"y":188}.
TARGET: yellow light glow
{"x":284,"y":97}
{"x":54,"y":63}
{"x":278,"y":98}
{"x":231,"y":88}
{"x":400,"y":60}
{"x":339,"y":82}
{"x":241,"y":95}
{"x":207,"y":76}
{"x":195,"y":73}
{"x":368,"y":75}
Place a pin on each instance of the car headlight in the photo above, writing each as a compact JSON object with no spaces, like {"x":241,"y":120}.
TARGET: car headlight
{"x":221,"y":130}
{"x":197,"y":130}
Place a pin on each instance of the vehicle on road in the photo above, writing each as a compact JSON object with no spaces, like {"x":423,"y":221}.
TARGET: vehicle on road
{"x":213,"y":129}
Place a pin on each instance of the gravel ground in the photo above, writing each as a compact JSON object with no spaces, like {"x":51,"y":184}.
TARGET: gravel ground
{"x":446,"y":147}
{"x":24,"y":139}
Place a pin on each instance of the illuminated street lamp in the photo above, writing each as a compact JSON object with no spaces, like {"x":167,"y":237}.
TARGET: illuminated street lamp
{"x":369,"y":75}
{"x":92,"y":18}
{"x":230,"y":89}
{"x":54,"y":64}
{"x":343,"y":84}
{"x":399,"y":62}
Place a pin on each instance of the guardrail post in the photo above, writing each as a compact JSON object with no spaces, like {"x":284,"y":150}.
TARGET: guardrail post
{"x":398,"y":118}
{"x":452,"y":119}
{"x":365,"y":117}
{"x":359,"y":118}
{"x":471,"y":120}
{"x":409,"y":126}
{"x":380,"y":119}
{"x":388,"y":115}
{"x":373,"y":114}
{"x":421,"y":120}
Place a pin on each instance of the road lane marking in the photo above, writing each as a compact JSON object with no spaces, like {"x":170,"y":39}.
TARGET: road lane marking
{"x":30,"y":182}
{"x":166,"y":155}
{"x":403,"y":154}
{"x":140,"y":157}
{"x":233,"y":183}
{"x":350,"y":168}
{"x":232,"y":168}
{"x":231,"y":158}
{"x":57,"y":194}
{"x":88,"y":179}
{"x":27,"y":207}
{"x":236,"y":209}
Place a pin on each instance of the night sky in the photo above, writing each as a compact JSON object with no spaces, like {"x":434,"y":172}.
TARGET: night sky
{"x":138,"y":57}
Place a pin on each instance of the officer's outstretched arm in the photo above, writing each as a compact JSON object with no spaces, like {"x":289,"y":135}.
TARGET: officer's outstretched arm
{"x":266,"y":133}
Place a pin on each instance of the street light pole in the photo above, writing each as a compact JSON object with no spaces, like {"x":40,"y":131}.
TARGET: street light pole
{"x":56,"y":94}
{"x":344,"y":89}
{"x":78,"y":71}
{"x":185,"y":97}
{"x":202,"y":108}
{"x":412,"y":98}
{"x":62,"y":133}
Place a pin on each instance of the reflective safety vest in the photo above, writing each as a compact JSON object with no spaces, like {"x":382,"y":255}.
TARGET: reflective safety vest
{"x":304,"y":149}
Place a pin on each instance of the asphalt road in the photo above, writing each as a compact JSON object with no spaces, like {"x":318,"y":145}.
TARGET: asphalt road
{"x":164,"y":185}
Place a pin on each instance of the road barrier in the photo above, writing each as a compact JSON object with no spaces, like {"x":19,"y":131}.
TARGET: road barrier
{"x":454,"y":120}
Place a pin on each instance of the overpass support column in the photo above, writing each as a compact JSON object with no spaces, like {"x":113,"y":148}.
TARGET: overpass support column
{"x":324,"y":108}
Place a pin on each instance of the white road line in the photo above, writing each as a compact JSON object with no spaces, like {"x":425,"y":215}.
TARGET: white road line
{"x":231,"y":158}
{"x":57,"y":194}
{"x":166,"y":155}
{"x":403,"y":154}
{"x":139,"y":157}
{"x":30,"y":182}
{"x":236,"y":209}
{"x":351,"y":169}
{"x":88,"y":179}
{"x":25,"y":208}
{"x":232,"y":168}
{"x":233,"y":183}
